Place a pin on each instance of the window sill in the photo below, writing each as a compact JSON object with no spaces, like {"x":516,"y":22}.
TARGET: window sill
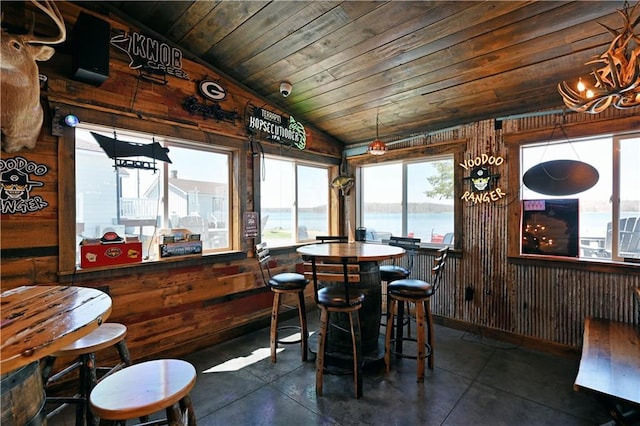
{"x":86,"y":274}
{"x":595,"y":265}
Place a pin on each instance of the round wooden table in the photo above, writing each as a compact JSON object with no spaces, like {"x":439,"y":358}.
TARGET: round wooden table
{"x":364,"y":252}
{"x":36,"y":321}
{"x":368,"y":255}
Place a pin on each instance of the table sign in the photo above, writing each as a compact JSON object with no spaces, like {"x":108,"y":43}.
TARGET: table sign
{"x":250,"y":224}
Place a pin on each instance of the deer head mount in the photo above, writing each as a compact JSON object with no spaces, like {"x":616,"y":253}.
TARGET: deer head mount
{"x":21,"y":111}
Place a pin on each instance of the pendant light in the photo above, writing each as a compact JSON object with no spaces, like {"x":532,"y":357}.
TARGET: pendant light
{"x":377,"y":147}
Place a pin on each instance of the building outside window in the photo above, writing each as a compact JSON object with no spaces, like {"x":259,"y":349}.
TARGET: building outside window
{"x":608,"y":214}
{"x":294,"y":201}
{"x":408,"y":198}
{"x":192,"y":192}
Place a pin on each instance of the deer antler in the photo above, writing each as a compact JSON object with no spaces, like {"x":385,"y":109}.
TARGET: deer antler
{"x":618,"y":81}
{"x":51,"y":10}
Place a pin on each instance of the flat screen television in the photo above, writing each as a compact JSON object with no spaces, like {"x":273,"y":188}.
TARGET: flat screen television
{"x":550,"y":227}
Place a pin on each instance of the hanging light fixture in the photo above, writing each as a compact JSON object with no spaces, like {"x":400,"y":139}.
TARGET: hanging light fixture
{"x":617,"y":81}
{"x":377,"y":147}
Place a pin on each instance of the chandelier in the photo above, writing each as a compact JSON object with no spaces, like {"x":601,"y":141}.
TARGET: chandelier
{"x":377,"y":147}
{"x":617,"y":80}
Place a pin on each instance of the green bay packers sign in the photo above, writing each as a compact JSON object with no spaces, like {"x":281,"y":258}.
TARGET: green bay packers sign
{"x":268,"y":125}
{"x":483,"y":179}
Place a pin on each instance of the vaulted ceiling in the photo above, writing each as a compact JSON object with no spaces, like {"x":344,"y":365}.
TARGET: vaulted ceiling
{"x":419,"y":66}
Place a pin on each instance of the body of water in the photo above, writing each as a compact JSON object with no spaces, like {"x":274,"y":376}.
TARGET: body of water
{"x":421,"y":225}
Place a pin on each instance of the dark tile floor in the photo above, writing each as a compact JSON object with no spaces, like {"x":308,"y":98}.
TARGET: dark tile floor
{"x":476,"y":381}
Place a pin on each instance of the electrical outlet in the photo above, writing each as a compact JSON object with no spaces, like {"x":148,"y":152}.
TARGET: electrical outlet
{"x":468,"y":293}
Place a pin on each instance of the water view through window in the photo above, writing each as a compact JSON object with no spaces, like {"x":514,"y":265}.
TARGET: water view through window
{"x":413,"y":199}
{"x":616,"y":160}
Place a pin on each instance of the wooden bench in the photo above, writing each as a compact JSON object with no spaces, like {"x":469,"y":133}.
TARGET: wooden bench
{"x":610,"y":366}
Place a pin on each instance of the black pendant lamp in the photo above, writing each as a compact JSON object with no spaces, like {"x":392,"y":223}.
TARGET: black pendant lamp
{"x":560,"y":177}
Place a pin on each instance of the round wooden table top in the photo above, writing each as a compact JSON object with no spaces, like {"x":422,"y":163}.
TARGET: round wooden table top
{"x":363,"y":252}
{"x":36,"y":321}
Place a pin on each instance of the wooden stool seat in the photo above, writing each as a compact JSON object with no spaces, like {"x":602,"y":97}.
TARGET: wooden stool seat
{"x":146,"y":388}
{"x":105,"y":336}
{"x":83,"y":350}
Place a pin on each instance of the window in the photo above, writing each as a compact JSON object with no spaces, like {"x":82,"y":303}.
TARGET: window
{"x":294,"y":201}
{"x":609,"y":212}
{"x":192,"y":192}
{"x":408,"y":198}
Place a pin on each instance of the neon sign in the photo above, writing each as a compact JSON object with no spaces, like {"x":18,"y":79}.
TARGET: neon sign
{"x":484,"y":187}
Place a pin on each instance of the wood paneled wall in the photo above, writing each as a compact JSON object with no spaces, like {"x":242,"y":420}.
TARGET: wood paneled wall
{"x":172,"y":308}
{"x":543,"y":302}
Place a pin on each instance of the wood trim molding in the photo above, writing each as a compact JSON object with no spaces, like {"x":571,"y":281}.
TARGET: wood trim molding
{"x":574,"y":130}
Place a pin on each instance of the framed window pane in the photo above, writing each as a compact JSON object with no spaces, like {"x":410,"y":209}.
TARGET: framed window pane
{"x":606,"y":229}
{"x":313,"y":202}
{"x":595,"y":209}
{"x":430,"y":201}
{"x":629,"y":178}
{"x":198,"y":194}
{"x":131,"y":201}
{"x":382,"y":200}
{"x":413,"y":199}
{"x":294,"y":202}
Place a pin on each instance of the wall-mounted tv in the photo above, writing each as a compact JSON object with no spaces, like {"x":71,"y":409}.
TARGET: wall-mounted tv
{"x":550,"y":227}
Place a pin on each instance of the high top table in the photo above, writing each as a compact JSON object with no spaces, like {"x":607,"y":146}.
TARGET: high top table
{"x":36,"y":321}
{"x":368,"y":255}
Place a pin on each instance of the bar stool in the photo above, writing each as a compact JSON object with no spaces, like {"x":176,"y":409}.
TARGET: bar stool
{"x":393,"y":272}
{"x":84,"y":351}
{"x":418,"y":292}
{"x":283,"y":283}
{"x":144,"y":389}
{"x":337,"y":299}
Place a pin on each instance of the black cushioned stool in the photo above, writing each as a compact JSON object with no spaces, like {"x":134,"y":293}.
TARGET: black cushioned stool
{"x":146,"y":388}
{"x":394,"y":272}
{"x":418,"y":292}
{"x":283,"y":283}
{"x":84,"y":351}
{"x":337,"y":299}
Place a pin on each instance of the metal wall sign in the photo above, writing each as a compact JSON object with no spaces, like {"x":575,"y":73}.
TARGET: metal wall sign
{"x":211,"y":91}
{"x":213,"y":110}
{"x":150,"y":55}
{"x":16,"y":186}
{"x":484,"y":183}
{"x":275,"y":128}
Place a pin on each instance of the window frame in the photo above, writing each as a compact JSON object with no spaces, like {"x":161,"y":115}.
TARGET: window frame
{"x":67,"y":182}
{"x":296,"y":162}
{"x":624,"y":126}
{"x":434,"y":151}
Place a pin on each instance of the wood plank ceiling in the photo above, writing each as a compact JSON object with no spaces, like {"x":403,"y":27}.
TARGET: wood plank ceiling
{"x":420,"y":66}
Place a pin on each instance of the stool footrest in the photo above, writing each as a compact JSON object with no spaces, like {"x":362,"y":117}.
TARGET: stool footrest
{"x":290,"y":327}
{"x":63,"y":372}
{"x":403,"y":355}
